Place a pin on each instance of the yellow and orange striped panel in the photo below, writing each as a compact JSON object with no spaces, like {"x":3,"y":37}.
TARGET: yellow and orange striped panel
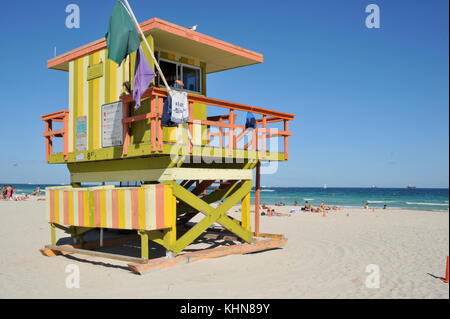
{"x":148,"y":207}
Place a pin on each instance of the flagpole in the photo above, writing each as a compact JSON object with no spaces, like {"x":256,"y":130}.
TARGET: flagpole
{"x":131,"y":13}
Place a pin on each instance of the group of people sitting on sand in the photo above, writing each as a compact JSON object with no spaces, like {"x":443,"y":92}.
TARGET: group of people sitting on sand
{"x":267,"y":211}
{"x":322,"y":207}
{"x":8,"y":192}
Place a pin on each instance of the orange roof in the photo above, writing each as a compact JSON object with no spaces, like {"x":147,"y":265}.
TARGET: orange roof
{"x":218,"y":55}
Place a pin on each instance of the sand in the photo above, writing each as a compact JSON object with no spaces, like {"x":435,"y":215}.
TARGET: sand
{"x":326,"y":257}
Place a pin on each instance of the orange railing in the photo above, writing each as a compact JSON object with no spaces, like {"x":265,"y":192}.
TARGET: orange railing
{"x":49,"y":134}
{"x":258,"y":136}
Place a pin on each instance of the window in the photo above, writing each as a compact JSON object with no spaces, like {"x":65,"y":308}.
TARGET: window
{"x":191,"y":78}
{"x":190,"y":75}
{"x":170,"y":72}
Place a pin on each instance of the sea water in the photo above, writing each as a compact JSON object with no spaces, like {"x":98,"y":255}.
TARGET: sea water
{"x":434,"y":199}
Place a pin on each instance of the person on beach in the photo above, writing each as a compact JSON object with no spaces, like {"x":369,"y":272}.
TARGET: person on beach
{"x":366,"y":205}
{"x":307,"y":207}
{"x":385,"y":206}
{"x":323,"y":207}
{"x":272,"y":212}
{"x":8,"y":192}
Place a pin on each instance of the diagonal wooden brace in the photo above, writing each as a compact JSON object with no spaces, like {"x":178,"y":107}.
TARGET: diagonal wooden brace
{"x":212,"y":215}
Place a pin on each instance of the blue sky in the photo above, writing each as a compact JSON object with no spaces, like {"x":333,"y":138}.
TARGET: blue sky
{"x":371,"y":104}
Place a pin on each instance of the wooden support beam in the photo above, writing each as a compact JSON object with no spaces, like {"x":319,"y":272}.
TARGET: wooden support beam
{"x":144,"y":245}
{"x":245,"y":212}
{"x":161,"y":174}
{"x":53,"y":234}
{"x":202,"y":187}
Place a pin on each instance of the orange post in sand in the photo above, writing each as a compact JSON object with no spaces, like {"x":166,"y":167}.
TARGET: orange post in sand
{"x":446,"y":272}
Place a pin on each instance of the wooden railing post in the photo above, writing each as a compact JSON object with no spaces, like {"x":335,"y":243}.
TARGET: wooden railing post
{"x":231,"y":133}
{"x":264,"y":136}
{"x":159,"y":111}
{"x":66,"y":136}
{"x":153,"y":122}
{"x":48,"y":140}
{"x":286,"y":142}
{"x":256,"y":139}
{"x":191,"y":127}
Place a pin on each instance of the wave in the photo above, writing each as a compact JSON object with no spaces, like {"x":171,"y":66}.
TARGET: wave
{"x":308,"y":198}
{"x":380,"y":201}
{"x":427,"y":204}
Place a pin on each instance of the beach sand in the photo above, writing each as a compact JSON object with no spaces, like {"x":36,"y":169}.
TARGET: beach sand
{"x":326,"y":257}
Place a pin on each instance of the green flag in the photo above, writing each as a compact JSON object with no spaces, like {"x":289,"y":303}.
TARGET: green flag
{"x":122,"y":37}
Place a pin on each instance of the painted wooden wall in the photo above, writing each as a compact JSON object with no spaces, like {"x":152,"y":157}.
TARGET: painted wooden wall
{"x":93,"y":81}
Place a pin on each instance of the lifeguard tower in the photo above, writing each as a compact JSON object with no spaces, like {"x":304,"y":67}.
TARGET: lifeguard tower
{"x":175,"y":173}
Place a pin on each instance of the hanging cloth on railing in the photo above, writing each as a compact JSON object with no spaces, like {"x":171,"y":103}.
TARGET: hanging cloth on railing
{"x":143,"y":76}
{"x":176,"y":109}
{"x":167,"y":113}
{"x":250,"y":122}
{"x":180,"y":110}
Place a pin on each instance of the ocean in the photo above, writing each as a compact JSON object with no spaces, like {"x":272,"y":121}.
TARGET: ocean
{"x":433,"y":199}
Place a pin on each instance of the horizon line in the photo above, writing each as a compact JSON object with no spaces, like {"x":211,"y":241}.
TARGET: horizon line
{"x":265,"y":186}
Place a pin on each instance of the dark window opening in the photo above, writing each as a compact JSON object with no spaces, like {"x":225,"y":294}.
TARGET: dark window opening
{"x":189,"y":75}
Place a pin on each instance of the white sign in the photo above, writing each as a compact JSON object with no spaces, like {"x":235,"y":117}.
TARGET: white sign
{"x":112,"y":132}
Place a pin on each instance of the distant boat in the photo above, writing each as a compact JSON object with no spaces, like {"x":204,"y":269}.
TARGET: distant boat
{"x":411,"y":186}
{"x":325,"y":186}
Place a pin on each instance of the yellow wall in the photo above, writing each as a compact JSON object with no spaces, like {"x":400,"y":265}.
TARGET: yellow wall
{"x":86,"y":96}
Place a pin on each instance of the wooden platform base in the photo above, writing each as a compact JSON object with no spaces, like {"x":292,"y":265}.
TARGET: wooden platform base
{"x":139,"y":265}
{"x":257,"y":245}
